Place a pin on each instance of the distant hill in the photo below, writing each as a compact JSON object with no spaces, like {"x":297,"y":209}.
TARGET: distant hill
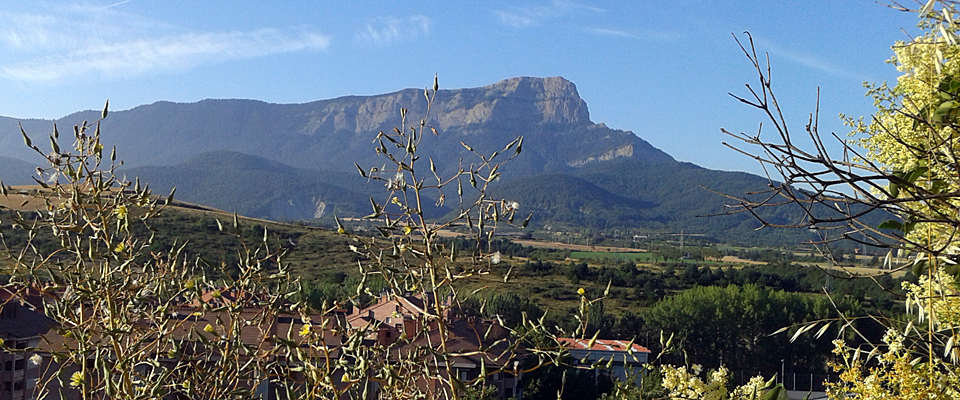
{"x":254,"y":186}
{"x":15,"y":171}
{"x":295,"y":161}
{"x":635,"y":196}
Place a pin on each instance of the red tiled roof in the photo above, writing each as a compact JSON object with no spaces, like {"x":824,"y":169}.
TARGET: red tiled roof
{"x":602,"y":345}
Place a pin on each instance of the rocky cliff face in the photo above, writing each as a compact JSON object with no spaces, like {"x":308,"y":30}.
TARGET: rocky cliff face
{"x":333,"y":134}
{"x":517,"y":101}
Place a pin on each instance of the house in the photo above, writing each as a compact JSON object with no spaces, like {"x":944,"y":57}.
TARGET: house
{"x":22,"y":323}
{"x":625,"y":359}
{"x":414,"y":318}
{"x":192,"y":335}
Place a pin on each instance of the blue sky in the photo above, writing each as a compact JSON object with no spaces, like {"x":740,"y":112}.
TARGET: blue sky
{"x":659,"y":69}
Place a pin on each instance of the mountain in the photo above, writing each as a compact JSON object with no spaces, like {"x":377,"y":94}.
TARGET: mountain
{"x":295,"y":161}
{"x":14,"y":171}
{"x":634,"y":196}
{"x":256,"y":187}
{"x":333,"y":134}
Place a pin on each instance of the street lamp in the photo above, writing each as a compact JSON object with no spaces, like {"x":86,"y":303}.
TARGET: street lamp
{"x":782,"y":371}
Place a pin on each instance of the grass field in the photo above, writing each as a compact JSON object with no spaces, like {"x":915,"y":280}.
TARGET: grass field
{"x":599,"y":255}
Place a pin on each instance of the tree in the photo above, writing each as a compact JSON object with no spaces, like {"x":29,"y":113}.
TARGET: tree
{"x":734,"y":323}
{"x":909,"y":169}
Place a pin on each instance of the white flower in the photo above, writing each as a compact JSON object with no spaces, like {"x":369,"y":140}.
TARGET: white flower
{"x":35,"y":359}
{"x":398,"y":182}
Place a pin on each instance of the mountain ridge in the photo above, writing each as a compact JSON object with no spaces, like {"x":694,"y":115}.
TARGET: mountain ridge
{"x":295,"y":161}
{"x":316,"y":135}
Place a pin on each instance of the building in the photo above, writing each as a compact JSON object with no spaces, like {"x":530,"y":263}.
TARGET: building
{"x":625,"y":359}
{"x":22,"y":323}
{"x":413,"y":318}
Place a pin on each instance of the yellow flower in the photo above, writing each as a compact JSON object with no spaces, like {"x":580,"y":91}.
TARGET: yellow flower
{"x":341,"y":231}
{"x":345,"y":377}
{"x":208,"y":329}
{"x":305,"y":330}
{"x":581,"y":291}
{"x":120,"y":211}
{"x":407,"y":230}
{"x":120,"y":247}
{"x":76,"y":379}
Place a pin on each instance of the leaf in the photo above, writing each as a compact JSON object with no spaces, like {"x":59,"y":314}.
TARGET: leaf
{"x":459,"y":385}
{"x":362,"y":172}
{"x":376,"y":210}
{"x":919,"y":267}
{"x":526,"y":221}
{"x":169,"y":199}
{"x":891,"y":224}
{"x":894,"y":190}
{"x":919,"y":171}
{"x":105,"y":106}
{"x":779,"y":331}
{"x":949,"y":346}
{"x":3,"y":188}
{"x":593,"y":340}
{"x":927,"y":8}
{"x":908,"y":227}
{"x":822,"y":330}
{"x":770,"y":383}
{"x":800,"y":332}
{"x":467,"y":146}
{"x":777,"y":393}
{"x":26,"y":139}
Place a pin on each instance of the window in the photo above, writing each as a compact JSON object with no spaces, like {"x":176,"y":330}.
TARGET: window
{"x":8,"y":366}
{"x":18,"y":385}
{"x":20,"y":364}
{"x":7,"y":386}
{"x":464,"y":375}
{"x":496,"y":377}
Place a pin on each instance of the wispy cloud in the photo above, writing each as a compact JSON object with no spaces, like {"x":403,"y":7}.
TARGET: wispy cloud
{"x":807,"y":60}
{"x":387,"y":30}
{"x":640,"y":35}
{"x":80,"y":40}
{"x":171,"y":53}
{"x":115,"y":4}
{"x":522,"y":17}
{"x":516,"y":20}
